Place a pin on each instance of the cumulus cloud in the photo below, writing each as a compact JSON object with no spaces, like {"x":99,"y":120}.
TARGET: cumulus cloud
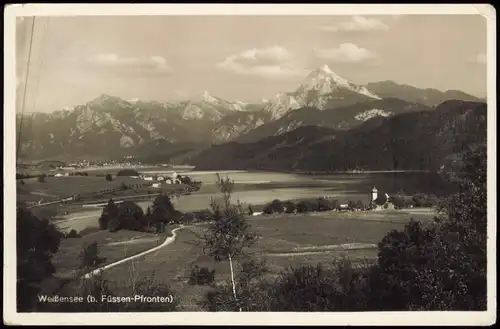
{"x":346,"y":53}
{"x":357,"y":24}
{"x":136,"y":66}
{"x":272,"y":62}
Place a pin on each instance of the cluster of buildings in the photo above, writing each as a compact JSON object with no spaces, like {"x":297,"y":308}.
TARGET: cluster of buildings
{"x":158,"y":180}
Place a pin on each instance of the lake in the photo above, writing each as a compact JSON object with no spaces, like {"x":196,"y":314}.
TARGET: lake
{"x":261,"y":187}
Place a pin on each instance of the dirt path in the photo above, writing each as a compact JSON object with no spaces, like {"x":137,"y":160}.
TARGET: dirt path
{"x":167,"y":241}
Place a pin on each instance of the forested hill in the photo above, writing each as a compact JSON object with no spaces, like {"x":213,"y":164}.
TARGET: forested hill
{"x":422,"y":140}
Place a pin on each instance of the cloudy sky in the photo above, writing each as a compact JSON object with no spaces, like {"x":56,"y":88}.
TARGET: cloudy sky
{"x":75,"y":59}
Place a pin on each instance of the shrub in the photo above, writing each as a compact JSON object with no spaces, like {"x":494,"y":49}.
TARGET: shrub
{"x":109,"y":178}
{"x":127,"y":172}
{"x":419,"y":200}
{"x":90,"y":256}
{"x":201,"y":276}
{"x":72,"y":234}
{"x":88,"y":230}
{"x":289,"y":207}
{"x":276,"y":206}
{"x":302,"y":207}
{"x":323,"y":205}
{"x":98,"y":286}
{"x":41,"y":178}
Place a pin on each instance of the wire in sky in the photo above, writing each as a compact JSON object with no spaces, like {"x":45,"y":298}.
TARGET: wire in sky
{"x":40,"y":66}
{"x":25,"y":86}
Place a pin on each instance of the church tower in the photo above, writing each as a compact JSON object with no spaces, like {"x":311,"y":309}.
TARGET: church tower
{"x":374,"y":194}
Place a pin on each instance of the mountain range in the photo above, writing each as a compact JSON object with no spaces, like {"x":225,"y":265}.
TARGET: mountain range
{"x":109,"y":126}
{"x":417,"y":140}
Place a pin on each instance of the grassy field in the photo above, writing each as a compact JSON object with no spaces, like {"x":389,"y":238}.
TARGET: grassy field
{"x":56,"y":187}
{"x":286,"y":240}
{"x":112,"y":247}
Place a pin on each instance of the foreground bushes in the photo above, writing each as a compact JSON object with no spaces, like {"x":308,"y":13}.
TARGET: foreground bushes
{"x":201,"y":276}
{"x":101,"y":289}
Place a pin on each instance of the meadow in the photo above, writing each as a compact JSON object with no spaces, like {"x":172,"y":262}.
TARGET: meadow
{"x":88,"y":187}
{"x":57,"y":187}
{"x":112,"y":247}
{"x":285,"y":241}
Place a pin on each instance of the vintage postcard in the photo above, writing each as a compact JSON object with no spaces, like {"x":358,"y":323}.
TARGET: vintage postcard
{"x":250,"y":164}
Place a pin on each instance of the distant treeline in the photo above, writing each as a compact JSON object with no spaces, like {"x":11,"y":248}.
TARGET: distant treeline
{"x":324,"y":204}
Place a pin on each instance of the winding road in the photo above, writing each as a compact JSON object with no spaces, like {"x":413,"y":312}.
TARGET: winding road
{"x":165,"y":243}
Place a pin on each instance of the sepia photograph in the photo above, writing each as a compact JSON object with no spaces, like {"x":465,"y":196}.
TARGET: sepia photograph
{"x":196,"y":164}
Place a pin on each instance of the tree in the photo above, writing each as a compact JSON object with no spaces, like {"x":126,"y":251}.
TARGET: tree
{"x":302,"y":207}
{"x":323,"y":205}
{"x":130,"y":215}
{"x":381,"y":200}
{"x":114,"y":224}
{"x":359,"y":205}
{"x":162,"y":209}
{"x":109,"y":212}
{"x":147,"y":218}
{"x":72,"y":234}
{"x":228,"y":233}
{"x":90,"y":256}
{"x":41,"y":178}
{"x":419,"y":200}
{"x":289,"y":207}
{"x":442,"y":266}
{"x":276,"y":206}
{"x":109,"y":178}
{"x":127,"y":172}
{"x":250,"y":210}
{"x":36,"y":240}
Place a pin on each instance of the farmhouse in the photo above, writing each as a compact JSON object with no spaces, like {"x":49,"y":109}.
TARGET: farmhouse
{"x":343,"y":207}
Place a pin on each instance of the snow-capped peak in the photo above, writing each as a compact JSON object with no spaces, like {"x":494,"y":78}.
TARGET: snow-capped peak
{"x":207,"y":97}
{"x":325,"y":80}
{"x":322,"y":87}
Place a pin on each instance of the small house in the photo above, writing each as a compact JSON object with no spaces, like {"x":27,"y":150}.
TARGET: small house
{"x":344,"y":207}
{"x":149,"y":178}
{"x":156,"y":185}
{"x":58,"y":175}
